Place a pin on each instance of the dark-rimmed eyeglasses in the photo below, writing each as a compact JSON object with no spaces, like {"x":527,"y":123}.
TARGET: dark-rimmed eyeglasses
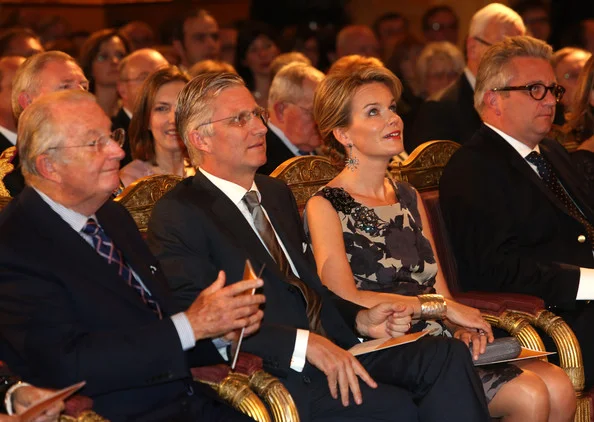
{"x":242,"y":119}
{"x":118,"y":136}
{"x":482,"y":41}
{"x":537,"y":90}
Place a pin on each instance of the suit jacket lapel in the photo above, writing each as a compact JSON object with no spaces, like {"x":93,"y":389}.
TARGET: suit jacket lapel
{"x":509,"y":155}
{"x":230,"y":221}
{"x":68,"y":250}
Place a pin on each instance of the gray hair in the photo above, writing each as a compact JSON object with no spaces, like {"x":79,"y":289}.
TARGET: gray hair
{"x":194,"y":105}
{"x":439,"y":50}
{"x":38,"y":131}
{"x":287,"y":85}
{"x":494,"y":70}
{"x":26,"y":78}
{"x":493,"y":12}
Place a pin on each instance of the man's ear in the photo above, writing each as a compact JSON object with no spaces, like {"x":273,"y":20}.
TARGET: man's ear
{"x":200,"y":142}
{"x":279,"y":109}
{"x":46,"y":168}
{"x":492,"y":101}
{"x":24,"y":100}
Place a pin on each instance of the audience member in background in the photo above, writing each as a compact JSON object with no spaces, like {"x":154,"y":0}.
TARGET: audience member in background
{"x":8,"y":127}
{"x":284,"y":59}
{"x":292,"y":130}
{"x":208,"y":65}
{"x":440,"y":23}
{"x":53,"y":28}
{"x":256,"y":49}
{"x":451,"y":114}
{"x":79,"y":38}
{"x":390,"y":29}
{"x":357,"y":39}
{"x":567,"y":64}
{"x":154,"y":141}
{"x":37,"y":76}
{"x":439,"y":64}
{"x":196,"y":37}
{"x":305,"y":41}
{"x":139,"y":34}
{"x":403,"y":63}
{"x":99,"y":58}
{"x":132,"y":72}
{"x":536,"y":17}
{"x":519,"y":216}
{"x":372,"y":241}
{"x":228,"y":39}
{"x":579,"y":129}
{"x":19,"y":42}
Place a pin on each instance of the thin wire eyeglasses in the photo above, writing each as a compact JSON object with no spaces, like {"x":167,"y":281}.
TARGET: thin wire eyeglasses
{"x":118,"y":136}
{"x":537,"y":90}
{"x":482,"y":41}
{"x":242,"y":119}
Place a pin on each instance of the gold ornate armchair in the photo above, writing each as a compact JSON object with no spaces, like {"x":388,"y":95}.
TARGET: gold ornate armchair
{"x":516,"y":313}
{"x":305,"y":175}
{"x":248,"y":385}
{"x":6,"y":167}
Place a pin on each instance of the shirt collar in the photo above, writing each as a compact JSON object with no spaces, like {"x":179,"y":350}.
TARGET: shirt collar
{"x":233,"y":191}
{"x":128,"y":112}
{"x":470,"y":77}
{"x":284,"y":138}
{"x":74,"y":219}
{"x":9,"y":134}
{"x":521,"y":148}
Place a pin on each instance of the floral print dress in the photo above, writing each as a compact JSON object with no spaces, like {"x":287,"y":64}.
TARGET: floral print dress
{"x":389,"y":253}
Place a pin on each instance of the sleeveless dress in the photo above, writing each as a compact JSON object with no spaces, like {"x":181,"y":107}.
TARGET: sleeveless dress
{"x":388,"y":253}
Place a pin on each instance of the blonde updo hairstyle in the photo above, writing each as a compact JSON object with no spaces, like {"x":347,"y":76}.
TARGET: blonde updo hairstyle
{"x":334,"y":96}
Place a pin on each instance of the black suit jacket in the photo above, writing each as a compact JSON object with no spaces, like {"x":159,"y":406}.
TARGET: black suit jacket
{"x":121,"y":120}
{"x":4,"y":143}
{"x":508,"y":231}
{"x":276,"y":153}
{"x":66,"y":315}
{"x":195,"y":230}
{"x":449,"y":115}
{"x":14,"y":180}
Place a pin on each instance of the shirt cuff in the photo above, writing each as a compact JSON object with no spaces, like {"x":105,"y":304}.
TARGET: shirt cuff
{"x":300,"y":351}
{"x":8,"y":396}
{"x":586,"y":285}
{"x":222,"y":346}
{"x":184,"y":330}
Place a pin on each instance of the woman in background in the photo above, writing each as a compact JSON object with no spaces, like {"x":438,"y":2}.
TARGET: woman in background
{"x":99,"y":58}
{"x":256,"y":49}
{"x":372,"y":242}
{"x":155,"y":144}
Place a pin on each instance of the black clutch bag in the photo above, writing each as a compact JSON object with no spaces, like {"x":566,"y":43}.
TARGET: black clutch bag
{"x":501,"y":349}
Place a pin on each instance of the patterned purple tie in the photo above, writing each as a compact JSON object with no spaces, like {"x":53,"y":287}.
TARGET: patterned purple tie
{"x":106,"y":248}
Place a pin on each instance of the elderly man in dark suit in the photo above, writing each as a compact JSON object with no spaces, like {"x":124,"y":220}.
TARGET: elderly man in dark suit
{"x":228,"y":213}
{"x":292,"y":130}
{"x":518,"y":214}
{"x":81,"y":296}
{"x":8,"y":68}
{"x":450,"y":113}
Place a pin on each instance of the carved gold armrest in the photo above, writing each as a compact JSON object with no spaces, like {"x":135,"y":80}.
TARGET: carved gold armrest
{"x":275,"y":395}
{"x":86,"y":416}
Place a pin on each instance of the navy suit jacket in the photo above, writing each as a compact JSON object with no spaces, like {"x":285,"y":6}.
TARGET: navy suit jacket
{"x":508,"y":230}
{"x":66,"y":315}
{"x":276,"y":153}
{"x":195,"y":230}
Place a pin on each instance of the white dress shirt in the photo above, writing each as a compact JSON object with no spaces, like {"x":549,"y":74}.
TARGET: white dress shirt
{"x":236,"y":193}
{"x":9,"y":134}
{"x":586,"y":284}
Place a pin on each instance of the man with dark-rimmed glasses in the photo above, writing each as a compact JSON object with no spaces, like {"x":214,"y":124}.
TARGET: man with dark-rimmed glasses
{"x":518,"y":214}
{"x":450,"y":113}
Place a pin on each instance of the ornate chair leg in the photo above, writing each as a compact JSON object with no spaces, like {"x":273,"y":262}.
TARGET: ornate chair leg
{"x":275,"y":395}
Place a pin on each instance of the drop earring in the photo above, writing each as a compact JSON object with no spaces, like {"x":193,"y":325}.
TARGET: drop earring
{"x":351,"y":161}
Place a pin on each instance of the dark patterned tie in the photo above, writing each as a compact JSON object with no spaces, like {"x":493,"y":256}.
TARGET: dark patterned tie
{"x":106,"y":248}
{"x":313,"y":303}
{"x":548,"y":176}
